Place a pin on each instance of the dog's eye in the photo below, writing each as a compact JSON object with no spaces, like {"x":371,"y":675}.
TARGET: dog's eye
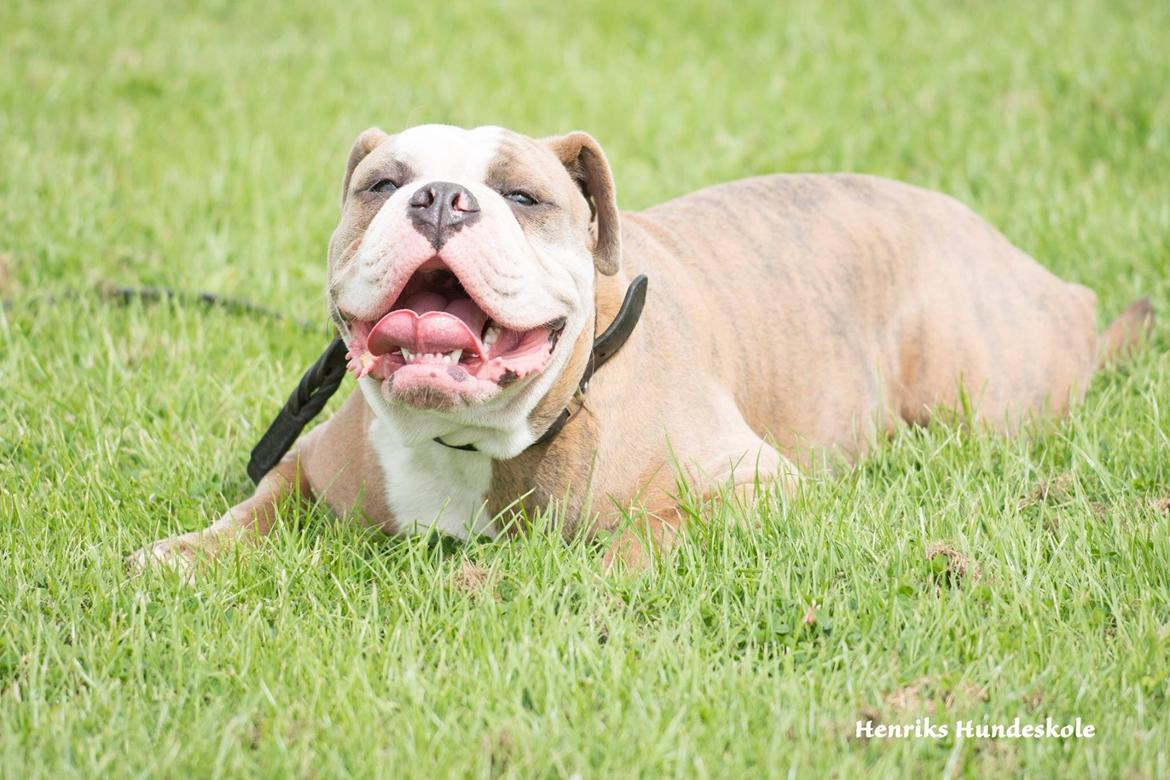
{"x":384,"y":186}
{"x":521,"y":197}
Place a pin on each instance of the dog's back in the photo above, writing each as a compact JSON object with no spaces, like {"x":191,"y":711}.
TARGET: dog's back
{"x":834,"y":305}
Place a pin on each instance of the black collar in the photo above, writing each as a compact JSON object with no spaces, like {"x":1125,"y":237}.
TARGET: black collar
{"x":325,"y":375}
{"x":605,"y":346}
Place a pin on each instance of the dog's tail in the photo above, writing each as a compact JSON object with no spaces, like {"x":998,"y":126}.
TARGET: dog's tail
{"x":1127,"y":332}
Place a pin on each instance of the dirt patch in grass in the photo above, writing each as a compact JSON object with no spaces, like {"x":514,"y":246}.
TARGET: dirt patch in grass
{"x":474,"y":581}
{"x":951,"y":566}
{"x":993,"y":758}
{"x":1033,"y":699}
{"x":914,"y":697}
{"x":500,"y":747}
{"x":926,"y":696}
{"x":1057,"y":490}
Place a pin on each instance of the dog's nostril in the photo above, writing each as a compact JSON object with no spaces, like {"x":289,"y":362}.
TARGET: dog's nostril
{"x":423,"y":197}
{"x":461,"y":200}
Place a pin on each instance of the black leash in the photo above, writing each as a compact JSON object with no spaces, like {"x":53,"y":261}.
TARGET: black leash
{"x":126,"y":295}
{"x":313,"y":391}
{"x":235,"y":305}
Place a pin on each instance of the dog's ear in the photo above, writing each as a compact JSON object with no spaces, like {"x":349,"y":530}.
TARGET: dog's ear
{"x":365,"y":143}
{"x":583,"y":159}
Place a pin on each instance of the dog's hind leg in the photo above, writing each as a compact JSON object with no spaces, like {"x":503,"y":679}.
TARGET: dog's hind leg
{"x":725,"y":460}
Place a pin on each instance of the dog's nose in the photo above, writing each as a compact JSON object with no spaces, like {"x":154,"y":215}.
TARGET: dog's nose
{"x":440,"y":208}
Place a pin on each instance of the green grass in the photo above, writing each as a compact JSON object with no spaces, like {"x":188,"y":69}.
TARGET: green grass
{"x":202,"y":148}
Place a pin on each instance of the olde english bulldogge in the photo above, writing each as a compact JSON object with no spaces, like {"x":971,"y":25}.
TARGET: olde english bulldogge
{"x":787,"y":317}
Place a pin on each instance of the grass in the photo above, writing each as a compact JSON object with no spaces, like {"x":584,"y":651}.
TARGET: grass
{"x":957,"y":575}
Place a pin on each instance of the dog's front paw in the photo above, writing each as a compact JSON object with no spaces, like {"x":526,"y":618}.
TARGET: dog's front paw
{"x":626,"y":555}
{"x":180,"y":553}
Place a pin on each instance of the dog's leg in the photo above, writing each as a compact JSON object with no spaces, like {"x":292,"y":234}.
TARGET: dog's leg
{"x":735,"y":465}
{"x":654,"y":533}
{"x":250,"y":519}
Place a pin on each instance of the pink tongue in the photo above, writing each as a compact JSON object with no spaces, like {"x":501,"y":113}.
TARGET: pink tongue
{"x":467,"y":310}
{"x":436,"y":330}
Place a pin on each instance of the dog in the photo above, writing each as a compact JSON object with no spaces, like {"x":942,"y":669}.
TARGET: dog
{"x":789,"y":319}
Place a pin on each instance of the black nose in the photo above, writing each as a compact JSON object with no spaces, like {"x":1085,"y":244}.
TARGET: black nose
{"x":440,"y":208}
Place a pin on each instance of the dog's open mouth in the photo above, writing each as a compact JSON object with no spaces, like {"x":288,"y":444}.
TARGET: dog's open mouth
{"x":437,"y":331}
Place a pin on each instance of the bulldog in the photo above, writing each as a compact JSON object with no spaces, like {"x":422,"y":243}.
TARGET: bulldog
{"x":790,"y":320}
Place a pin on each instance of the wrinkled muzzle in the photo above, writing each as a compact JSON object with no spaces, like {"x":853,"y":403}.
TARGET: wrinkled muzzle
{"x":436,"y":335}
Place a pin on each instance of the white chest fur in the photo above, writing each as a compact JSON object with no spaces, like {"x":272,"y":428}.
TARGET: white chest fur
{"x":429,"y":486}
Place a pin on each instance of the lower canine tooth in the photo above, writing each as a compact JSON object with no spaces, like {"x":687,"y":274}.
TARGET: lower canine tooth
{"x":454,"y":356}
{"x":492,"y":334}
{"x":407,"y":355}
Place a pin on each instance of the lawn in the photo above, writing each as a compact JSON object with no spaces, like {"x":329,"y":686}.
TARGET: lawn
{"x":953,"y":574}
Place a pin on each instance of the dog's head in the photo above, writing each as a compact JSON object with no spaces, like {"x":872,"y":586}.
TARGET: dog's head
{"x":462,"y":273}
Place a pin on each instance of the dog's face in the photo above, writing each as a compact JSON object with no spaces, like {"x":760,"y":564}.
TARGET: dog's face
{"x":461,"y":272}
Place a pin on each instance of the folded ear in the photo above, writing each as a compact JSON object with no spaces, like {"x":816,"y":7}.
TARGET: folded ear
{"x":365,"y":143}
{"x":586,"y":164}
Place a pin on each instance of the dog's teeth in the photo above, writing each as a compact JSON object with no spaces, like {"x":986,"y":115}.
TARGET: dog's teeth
{"x":454,"y":356}
{"x":492,"y":334}
{"x":407,"y":355}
